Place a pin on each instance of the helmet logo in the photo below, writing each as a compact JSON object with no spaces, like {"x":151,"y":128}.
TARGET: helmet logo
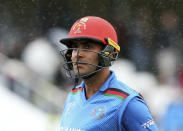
{"x":84,"y":19}
{"x":80,"y":26}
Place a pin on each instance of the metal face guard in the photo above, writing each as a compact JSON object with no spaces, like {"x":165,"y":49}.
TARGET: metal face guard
{"x":68,"y":65}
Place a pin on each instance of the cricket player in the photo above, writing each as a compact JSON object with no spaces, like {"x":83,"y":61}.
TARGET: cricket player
{"x":100,"y":102}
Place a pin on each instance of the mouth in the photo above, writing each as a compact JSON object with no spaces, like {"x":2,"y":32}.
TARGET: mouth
{"x":79,"y":64}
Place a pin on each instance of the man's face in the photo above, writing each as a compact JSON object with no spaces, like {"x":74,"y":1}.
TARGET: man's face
{"x":81,"y":55}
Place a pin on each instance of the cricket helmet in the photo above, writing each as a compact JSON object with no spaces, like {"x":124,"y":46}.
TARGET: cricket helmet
{"x":95,"y":29}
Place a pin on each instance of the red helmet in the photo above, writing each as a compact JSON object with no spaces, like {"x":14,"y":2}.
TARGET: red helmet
{"x":95,"y":29}
{"x":92,"y":28}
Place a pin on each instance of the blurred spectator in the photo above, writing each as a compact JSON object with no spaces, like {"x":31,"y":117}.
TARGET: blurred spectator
{"x":167,"y":39}
{"x":167,"y":61}
{"x":173,"y":118}
{"x":169,"y":31}
{"x":180,"y":78}
{"x":140,"y":40}
{"x":11,"y":41}
{"x":42,"y":58}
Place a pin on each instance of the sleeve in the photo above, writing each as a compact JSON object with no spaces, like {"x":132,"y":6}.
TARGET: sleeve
{"x":137,"y":117}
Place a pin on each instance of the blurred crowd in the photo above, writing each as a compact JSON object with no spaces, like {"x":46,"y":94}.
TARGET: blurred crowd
{"x":31,"y":66}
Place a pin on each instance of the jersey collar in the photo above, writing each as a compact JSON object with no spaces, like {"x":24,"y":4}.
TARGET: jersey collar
{"x":106,"y":84}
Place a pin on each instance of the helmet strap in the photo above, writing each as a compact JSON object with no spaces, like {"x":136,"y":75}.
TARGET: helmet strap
{"x":104,"y":56}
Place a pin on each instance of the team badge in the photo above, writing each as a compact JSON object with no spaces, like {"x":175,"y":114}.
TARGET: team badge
{"x":98,"y":112}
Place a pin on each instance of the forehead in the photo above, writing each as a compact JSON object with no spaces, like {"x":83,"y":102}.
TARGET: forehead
{"x":82,"y":42}
{"x":86,"y":42}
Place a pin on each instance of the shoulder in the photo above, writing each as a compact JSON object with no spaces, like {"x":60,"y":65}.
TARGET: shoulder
{"x":138,"y":113}
{"x":118,"y":85}
{"x":140,"y":107}
{"x":115,"y":83}
{"x":120,"y":90}
{"x":116,"y":92}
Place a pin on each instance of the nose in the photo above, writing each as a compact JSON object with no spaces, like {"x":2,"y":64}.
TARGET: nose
{"x":77,"y":53}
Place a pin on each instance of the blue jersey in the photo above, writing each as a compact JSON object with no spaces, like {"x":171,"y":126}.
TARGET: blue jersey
{"x":115,"y":107}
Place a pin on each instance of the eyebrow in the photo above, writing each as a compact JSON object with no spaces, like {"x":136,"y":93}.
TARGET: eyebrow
{"x":83,"y":42}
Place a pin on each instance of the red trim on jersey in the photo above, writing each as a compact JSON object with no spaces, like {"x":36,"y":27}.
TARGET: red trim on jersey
{"x":76,"y":90}
{"x":116,"y":93}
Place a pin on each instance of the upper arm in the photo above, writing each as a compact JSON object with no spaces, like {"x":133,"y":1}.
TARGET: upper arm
{"x":137,"y":116}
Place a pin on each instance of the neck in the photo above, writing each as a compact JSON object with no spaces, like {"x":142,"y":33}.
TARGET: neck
{"x":93,"y":83}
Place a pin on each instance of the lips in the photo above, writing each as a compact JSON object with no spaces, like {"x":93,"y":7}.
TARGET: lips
{"x":79,"y":64}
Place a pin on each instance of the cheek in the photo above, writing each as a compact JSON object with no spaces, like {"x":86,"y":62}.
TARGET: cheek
{"x":94,"y":58}
{"x":72,"y":58}
{"x":73,"y":55}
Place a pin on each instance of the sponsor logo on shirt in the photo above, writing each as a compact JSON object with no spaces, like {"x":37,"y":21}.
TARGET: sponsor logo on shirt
{"x":148,"y":124}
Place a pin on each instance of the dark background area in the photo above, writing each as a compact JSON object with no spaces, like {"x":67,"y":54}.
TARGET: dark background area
{"x":32,"y":18}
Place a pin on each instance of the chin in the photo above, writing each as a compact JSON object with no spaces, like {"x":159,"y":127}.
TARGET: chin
{"x":80,"y":73}
{"x":83,"y":71}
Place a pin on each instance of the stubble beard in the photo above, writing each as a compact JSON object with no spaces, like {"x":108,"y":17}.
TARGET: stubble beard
{"x":84,"y":71}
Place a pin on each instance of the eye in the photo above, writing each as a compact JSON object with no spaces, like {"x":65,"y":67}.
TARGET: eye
{"x":88,"y":46}
{"x":74,"y":46}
